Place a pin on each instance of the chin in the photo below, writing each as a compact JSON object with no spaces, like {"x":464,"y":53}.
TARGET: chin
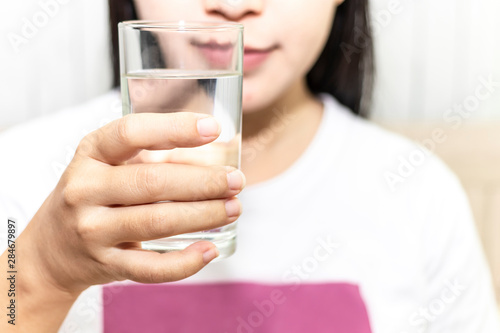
{"x":251,"y":104}
{"x":256,"y":95}
{"x":249,"y":107}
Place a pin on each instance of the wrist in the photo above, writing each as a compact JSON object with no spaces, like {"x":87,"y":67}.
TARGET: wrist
{"x":35,"y":278}
{"x":41,"y":305}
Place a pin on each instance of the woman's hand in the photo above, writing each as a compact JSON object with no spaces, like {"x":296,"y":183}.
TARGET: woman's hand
{"x":89,"y":229}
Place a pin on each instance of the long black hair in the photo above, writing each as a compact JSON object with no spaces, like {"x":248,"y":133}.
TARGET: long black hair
{"x":344,"y":69}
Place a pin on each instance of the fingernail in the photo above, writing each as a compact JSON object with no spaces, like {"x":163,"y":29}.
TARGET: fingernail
{"x":233,"y":207}
{"x":208,"y":127}
{"x":210,"y":255}
{"x":236,"y":180}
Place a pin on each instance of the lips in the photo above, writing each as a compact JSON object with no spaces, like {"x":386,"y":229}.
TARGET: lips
{"x":254,"y":57}
{"x":218,"y":55}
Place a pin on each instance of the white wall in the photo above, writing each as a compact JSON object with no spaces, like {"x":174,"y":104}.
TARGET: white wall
{"x":61,"y":62}
{"x":430,"y":55}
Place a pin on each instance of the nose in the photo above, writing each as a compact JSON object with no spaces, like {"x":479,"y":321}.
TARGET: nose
{"x":234,"y":10}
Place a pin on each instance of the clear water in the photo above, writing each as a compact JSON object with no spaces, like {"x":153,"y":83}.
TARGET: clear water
{"x":210,"y":92}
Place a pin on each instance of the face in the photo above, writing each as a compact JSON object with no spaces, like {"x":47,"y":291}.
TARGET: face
{"x":283,"y":38}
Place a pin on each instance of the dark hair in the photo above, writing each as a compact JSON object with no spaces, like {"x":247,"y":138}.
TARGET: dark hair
{"x":344,"y":69}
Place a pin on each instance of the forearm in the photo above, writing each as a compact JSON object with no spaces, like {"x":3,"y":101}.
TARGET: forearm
{"x":35,"y":304}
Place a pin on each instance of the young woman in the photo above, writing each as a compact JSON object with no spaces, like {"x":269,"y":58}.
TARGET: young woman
{"x":326,"y":244}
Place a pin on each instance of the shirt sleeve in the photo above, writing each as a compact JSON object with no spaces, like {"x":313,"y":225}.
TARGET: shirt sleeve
{"x":460,"y":296}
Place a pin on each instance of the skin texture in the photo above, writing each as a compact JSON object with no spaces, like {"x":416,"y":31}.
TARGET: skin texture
{"x":297,"y":30}
{"x":104,"y":204}
{"x":88,"y":230}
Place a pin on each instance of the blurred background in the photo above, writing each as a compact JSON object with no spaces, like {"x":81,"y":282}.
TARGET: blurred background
{"x":437,"y":62}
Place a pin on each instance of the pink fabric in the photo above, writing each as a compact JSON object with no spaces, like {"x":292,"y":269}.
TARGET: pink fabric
{"x":236,"y":308}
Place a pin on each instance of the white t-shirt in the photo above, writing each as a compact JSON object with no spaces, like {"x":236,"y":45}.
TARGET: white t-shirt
{"x":329,"y":245}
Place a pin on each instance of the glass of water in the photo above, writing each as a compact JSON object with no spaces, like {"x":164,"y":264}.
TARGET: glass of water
{"x":193,"y":67}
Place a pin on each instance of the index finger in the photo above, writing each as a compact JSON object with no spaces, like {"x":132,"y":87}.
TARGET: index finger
{"x":123,"y":138}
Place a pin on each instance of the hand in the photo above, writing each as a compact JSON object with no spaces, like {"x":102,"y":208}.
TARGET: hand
{"x":217,"y":153}
{"x":89,"y":229}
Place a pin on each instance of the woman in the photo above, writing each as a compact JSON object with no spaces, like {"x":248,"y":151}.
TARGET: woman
{"x":324,"y":243}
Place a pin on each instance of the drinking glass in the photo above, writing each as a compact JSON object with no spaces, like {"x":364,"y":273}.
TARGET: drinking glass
{"x":187,"y":66}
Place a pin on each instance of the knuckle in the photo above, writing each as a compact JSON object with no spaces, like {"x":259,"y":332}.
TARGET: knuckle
{"x":85,"y":145}
{"x":189,"y":212}
{"x":157,"y":223}
{"x":216,"y":181}
{"x":166,"y":270}
{"x":123,"y":129}
{"x":180,"y":128}
{"x":156,"y":274}
{"x":87,"y":229}
{"x":174,"y":128}
{"x":76,"y":184}
{"x":170,"y":270}
{"x":72,"y":194}
{"x":147,"y":178}
{"x":213,"y":212}
{"x":197,"y":210}
{"x":178,"y":270}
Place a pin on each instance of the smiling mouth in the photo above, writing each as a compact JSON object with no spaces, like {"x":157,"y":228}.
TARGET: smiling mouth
{"x":213,"y":45}
{"x":255,"y":57}
{"x":218,"y":55}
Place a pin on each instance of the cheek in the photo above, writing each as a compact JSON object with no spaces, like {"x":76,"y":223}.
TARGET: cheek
{"x":302,"y":38}
{"x":306,"y":34}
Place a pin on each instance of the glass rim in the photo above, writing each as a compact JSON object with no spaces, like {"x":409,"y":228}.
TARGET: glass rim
{"x":182,"y":25}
